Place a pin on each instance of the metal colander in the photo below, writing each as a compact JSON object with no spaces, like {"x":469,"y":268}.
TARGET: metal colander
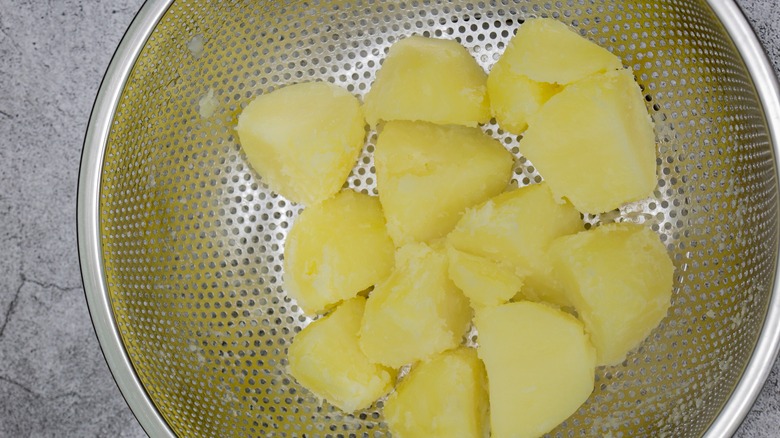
{"x":181,"y":243}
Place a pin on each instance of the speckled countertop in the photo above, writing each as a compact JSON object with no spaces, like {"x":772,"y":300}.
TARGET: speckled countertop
{"x":53,"y":379}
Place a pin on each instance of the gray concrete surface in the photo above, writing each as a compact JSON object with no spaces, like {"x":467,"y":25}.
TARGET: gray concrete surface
{"x":53,"y":379}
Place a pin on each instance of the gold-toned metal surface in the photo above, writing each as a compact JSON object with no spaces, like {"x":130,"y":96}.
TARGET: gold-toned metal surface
{"x":192,"y":240}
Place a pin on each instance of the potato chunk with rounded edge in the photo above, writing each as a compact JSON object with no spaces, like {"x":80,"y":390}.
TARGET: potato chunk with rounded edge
{"x":445,"y":397}
{"x":594,"y":143}
{"x":514,"y":98}
{"x":325,"y":359}
{"x":619,"y":278}
{"x":335,"y":250}
{"x":417,"y":312}
{"x":485,"y":282}
{"x":429,"y":79}
{"x":427,"y":175}
{"x":546,"y":50}
{"x":540,"y":367}
{"x":517,"y":227}
{"x":303,"y":139}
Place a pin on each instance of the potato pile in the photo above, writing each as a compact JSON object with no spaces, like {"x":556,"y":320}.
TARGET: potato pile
{"x":448,"y":244}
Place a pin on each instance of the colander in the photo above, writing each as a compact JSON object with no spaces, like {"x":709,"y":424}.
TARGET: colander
{"x":181,"y":243}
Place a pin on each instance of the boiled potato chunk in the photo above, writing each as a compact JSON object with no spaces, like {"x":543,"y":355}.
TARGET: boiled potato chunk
{"x":303,"y":139}
{"x":485,"y":282}
{"x":427,"y":175}
{"x":417,"y":312}
{"x":444,"y":397}
{"x":546,"y":50}
{"x":517,"y":227}
{"x":594,"y":143}
{"x":619,"y":278}
{"x":325,"y":358}
{"x":514,"y":97}
{"x":335,"y":250}
{"x":429,"y":79}
{"x":540,"y":367}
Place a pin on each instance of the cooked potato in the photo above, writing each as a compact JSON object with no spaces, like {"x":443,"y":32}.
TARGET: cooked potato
{"x":444,"y":232}
{"x":485,"y":282}
{"x":540,"y":367}
{"x":619,"y":278}
{"x":335,"y":250}
{"x":514,"y":97}
{"x":546,"y":50}
{"x":325,"y":359}
{"x":594,"y":143}
{"x":445,"y":397}
{"x":303,"y":139}
{"x":416,"y":313}
{"x":427,"y":175}
{"x":517,"y":228}
{"x":429,"y":79}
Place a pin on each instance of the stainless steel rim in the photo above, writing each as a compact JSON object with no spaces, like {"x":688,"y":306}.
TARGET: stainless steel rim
{"x":88,"y":214}
{"x":766,"y":349}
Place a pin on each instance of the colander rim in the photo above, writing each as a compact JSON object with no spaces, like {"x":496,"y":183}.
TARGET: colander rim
{"x":765,"y":352}
{"x":88,"y":218}
{"x":151,"y":12}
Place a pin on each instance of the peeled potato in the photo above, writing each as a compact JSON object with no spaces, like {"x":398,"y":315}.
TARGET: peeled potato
{"x":594,"y":143}
{"x":619,"y":278}
{"x":416,"y":313}
{"x":517,"y":228}
{"x":445,"y":240}
{"x":514,"y":98}
{"x":335,"y":250}
{"x":326,"y":360}
{"x":485,"y":282}
{"x":540,"y":366}
{"x":546,"y":50}
{"x":427,"y":175}
{"x":445,"y":396}
{"x":303,"y":139}
{"x":429,"y":79}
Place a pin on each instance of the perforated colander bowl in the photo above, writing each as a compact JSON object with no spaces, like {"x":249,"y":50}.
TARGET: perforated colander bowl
{"x":181,"y":243}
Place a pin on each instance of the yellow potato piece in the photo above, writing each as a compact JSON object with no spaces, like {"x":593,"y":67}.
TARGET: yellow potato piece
{"x":514,"y":98}
{"x":429,"y":79}
{"x":335,"y":250}
{"x":443,"y":233}
{"x":540,"y":367}
{"x":417,"y":312}
{"x":546,"y":50}
{"x":594,"y":143}
{"x":303,"y":139}
{"x":427,"y":175}
{"x":444,"y":397}
{"x":485,"y":282}
{"x":619,"y":278}
{"x":325,"y":359}
{"x":517,"y":228}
